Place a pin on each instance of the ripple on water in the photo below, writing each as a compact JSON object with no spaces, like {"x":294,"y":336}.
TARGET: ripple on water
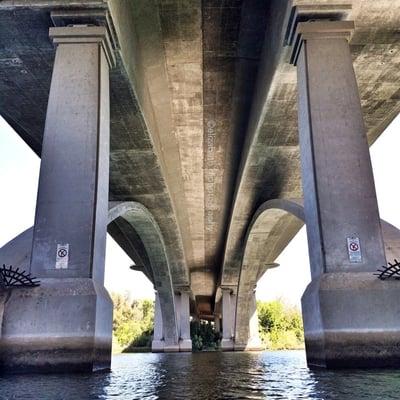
{"x":207,"y":376}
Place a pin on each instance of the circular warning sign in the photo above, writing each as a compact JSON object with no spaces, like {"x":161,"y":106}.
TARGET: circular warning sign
{"x":354,"y":246}
{"x":62,"y":253}
{"x":62,"y":256}
{"x":354,"y":249}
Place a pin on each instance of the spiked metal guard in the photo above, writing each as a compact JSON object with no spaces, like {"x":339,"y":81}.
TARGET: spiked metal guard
{"x":16,"y":278}
{"x":391,"y":271}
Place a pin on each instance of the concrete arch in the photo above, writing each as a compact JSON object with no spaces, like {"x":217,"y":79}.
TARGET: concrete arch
{"x":141,"y":220}
{"x":138,"y":223}
{"x":272,"y":227}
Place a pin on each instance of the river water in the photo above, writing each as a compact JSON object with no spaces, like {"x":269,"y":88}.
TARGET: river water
{"x":207,"y":376}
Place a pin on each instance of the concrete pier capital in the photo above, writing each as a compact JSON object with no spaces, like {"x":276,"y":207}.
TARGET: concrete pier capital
{"x":317,"y":22}
{"x":230,"y":289}
{"x":183,"y":289}
{"x":84,"y":34}
{"x":319,"y":30}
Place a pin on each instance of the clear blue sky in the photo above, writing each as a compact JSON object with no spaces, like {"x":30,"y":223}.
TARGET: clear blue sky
{"x":19,"y":172}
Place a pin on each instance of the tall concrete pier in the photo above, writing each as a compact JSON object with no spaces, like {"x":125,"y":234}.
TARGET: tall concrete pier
{"x":340,"y":206}
{"x":201,"y":135}
{"x":68,"y":321}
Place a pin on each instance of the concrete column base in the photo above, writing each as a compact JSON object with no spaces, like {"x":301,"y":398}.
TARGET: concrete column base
{"x":185,"y":345}
{"x":61,"y":326}
{"x":171,"y":348}
{"x":159,"y":346}
{"x":254,"y":344}
{"x":227,"y":345}
{"x":351,"y":320}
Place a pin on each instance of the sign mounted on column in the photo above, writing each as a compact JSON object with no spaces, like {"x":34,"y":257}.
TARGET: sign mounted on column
{"x":354,"y":249}
{"x":62,"y":256}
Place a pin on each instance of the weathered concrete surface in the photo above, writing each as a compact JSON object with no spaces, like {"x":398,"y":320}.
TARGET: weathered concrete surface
{"x":135,"y":170}
{"x":157,"y":344}
{"x":341,"y":311}
{"x":141,"y":231}
{"x":248,"y":339}
{"x":271,"y":229}
{"x":144,"y":149}
{"x":266,"y":227}
{"x":64,"y":324}
{"x":339,"y":190}
{"x":140,"y":219}
{"x":157,"y":114}
{"x":351,"y":320}
{"x":228,"y":318}
{"x":72,"y":201}
{"x":163,"y":107}
{"x":270,"y":165}
{"x":182,"y":301}
{"x":233,"y":34}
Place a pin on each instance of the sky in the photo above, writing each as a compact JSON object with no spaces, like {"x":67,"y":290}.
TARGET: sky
{"x":19,"y":173}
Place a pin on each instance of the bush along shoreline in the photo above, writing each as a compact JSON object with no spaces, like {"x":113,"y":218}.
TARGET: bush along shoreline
{"x":204,"y":337}
{"x":280,"y":327}
{"x":133,"y":323}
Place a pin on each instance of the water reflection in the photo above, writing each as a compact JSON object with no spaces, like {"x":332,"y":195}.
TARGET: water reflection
{"x":211,"y":376}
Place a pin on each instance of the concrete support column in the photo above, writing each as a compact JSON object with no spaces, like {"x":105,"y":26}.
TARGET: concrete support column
{"x":177,"y":300}
{"x":66,"y":323}
{"x":228,"y":318}
{"x":247,"y":337}
{"x":345,"y":308}
{"x":217,"y":323}
{"x":339,"y":192}
{"x":157,"y":344}
{"x":185,"y":341}
{"x":254,"y":342}
{"x":161,"y":341}
{"x":72,"y":202}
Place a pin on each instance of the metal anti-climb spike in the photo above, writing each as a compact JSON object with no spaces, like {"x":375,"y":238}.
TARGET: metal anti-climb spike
{"x":390,"y":271}
{"x":16,"y":278}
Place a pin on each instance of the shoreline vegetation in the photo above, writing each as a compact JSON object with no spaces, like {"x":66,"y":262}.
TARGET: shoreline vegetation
{"x":280,"y":327}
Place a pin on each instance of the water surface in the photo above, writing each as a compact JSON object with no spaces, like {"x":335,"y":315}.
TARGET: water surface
{"x":207,"y":376}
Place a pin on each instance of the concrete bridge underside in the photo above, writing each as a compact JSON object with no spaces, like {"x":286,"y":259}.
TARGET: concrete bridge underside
{"x":201,"y":102}
{"x":266,"y":227}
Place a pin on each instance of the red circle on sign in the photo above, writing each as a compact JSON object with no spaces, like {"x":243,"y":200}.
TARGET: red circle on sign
{"x":353,"y":246}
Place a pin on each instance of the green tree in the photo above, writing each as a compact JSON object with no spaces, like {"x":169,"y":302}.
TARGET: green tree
{"x":133,"y":322}
{"x":203,"y":335}
{"x":280,"y":325}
